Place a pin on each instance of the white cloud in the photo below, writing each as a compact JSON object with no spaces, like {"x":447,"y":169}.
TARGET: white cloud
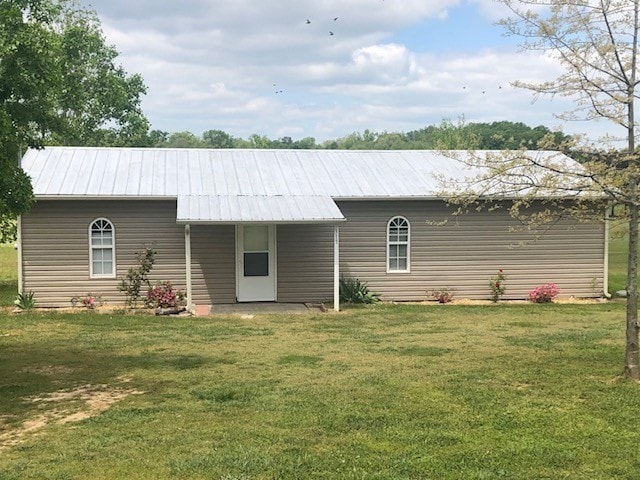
{"x":219,"y":65}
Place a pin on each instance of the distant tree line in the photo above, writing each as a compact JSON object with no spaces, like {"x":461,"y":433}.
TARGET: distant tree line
{"x":447,"y":135}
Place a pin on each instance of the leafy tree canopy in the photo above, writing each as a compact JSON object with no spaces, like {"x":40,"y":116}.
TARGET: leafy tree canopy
{"x":447,"y":135}
{"x":58,"y":85}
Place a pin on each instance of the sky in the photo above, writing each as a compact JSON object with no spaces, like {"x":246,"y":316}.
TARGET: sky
{"x":328,"y":68}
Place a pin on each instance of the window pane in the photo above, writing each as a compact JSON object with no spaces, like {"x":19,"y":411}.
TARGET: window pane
{"x":96,"y":238}
{"x":402,"y":251}
{"x":256,"y":238}
{"x":107,"y":268}
{"x":107,"y":254}
{"x":256,"y":264}
{"x":97,"y":267}
{"x":107,"y":238}
{"x":402,"y":263}
{"x":97,"y":254}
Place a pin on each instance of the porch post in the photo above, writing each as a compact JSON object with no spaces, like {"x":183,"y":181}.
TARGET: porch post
{"x":336,"y":268}
{"x":187,"y":255}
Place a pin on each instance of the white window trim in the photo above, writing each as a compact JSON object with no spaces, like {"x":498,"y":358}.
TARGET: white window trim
{"x":113,"y":250}
{"x":408,"y":243}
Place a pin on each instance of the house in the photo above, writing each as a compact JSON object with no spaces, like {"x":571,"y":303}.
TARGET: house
{"x":280,"y":225}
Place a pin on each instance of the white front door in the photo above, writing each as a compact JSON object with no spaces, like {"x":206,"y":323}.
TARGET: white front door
{"x":256,"y":264}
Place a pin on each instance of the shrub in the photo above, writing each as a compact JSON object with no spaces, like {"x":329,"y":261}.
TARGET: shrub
{"x":162,"y":295}
{"x":25,"y":301}
{"x":443,"y":295}
{"x":544,"y":293}
{"x":89,"y":301}
{"x":497,"y":287}
{"x":353,"y":290}
{"x":136,"y":277}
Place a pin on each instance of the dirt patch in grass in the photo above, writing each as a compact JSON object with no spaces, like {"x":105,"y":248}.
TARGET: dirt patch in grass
{"x":80,"y":403}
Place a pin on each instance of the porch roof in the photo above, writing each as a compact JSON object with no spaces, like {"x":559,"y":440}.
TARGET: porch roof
{"x":233,"y":209}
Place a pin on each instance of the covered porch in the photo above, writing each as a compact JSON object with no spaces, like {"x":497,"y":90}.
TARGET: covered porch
{"x":245,"y":249}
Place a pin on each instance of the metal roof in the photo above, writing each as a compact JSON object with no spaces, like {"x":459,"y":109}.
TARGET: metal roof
{"x":147,"y":172}
{"x":257,"y":208}
{"x":234,"y":185}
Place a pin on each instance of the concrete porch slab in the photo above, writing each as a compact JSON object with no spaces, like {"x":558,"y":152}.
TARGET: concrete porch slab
{"x":253,"y":308}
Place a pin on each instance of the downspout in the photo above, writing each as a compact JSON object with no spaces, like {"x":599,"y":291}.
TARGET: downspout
{"x":605,"y":279}
{"x":20,"y":279}
{"x":336,"y":268}
{"x":187,"y":257}
{"x":19,"y":239}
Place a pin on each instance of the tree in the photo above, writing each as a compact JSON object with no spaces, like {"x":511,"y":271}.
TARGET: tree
{"x":259,"y":141}
{"x":98,"y":104}
{"x":183,"y":140}
{"x":596,"y":43}
{"x":217,"y":139}
{"x":157,"y":138}
{"x":58,"y":84}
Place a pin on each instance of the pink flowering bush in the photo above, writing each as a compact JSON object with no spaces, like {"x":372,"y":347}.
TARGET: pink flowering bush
{"x":162,"y":295}
{"x":444,"y":295}
{"x":544,"y":293}
{"x":89,"y":301}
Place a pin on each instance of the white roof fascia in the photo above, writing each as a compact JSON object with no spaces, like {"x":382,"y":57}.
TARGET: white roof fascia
{"x":238,"y":209}
{"x":103,"y":197}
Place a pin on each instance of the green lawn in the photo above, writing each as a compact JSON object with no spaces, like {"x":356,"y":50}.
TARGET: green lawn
{"x":618,"y":248}
{"x":391,"y":391}
{"x":8,"y":274}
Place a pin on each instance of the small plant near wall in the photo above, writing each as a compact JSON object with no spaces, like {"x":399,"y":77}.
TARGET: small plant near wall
{"x":442,"y":295}
{"x":353,"y":290}
{"x":162,"y":295}
{"x":137,"y":277}
{"x":89,"y":301}
{"x":496,"y":285}
{"x":25,"y":300}
{"x":544,"y":293}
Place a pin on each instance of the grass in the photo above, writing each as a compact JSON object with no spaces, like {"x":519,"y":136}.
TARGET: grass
{"x":387,"y":392}
{"x":8,"y":274}
{"x":618,"y":248}
{"x":383,"y":392}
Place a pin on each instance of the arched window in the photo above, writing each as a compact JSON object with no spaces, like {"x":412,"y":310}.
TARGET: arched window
{"x":398,"y":236}
{"x":102,"y":250}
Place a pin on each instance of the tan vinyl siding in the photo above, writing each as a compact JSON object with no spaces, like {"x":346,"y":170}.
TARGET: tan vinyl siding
{"x":55,"y":246}
{"x":305,"y":263}
{"x":465,"y":253}
{"x":213,"y":264}
{"x":461,"y":255}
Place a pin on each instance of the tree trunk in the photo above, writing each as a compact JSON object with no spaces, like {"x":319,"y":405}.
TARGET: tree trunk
{"x":632,"y":358}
